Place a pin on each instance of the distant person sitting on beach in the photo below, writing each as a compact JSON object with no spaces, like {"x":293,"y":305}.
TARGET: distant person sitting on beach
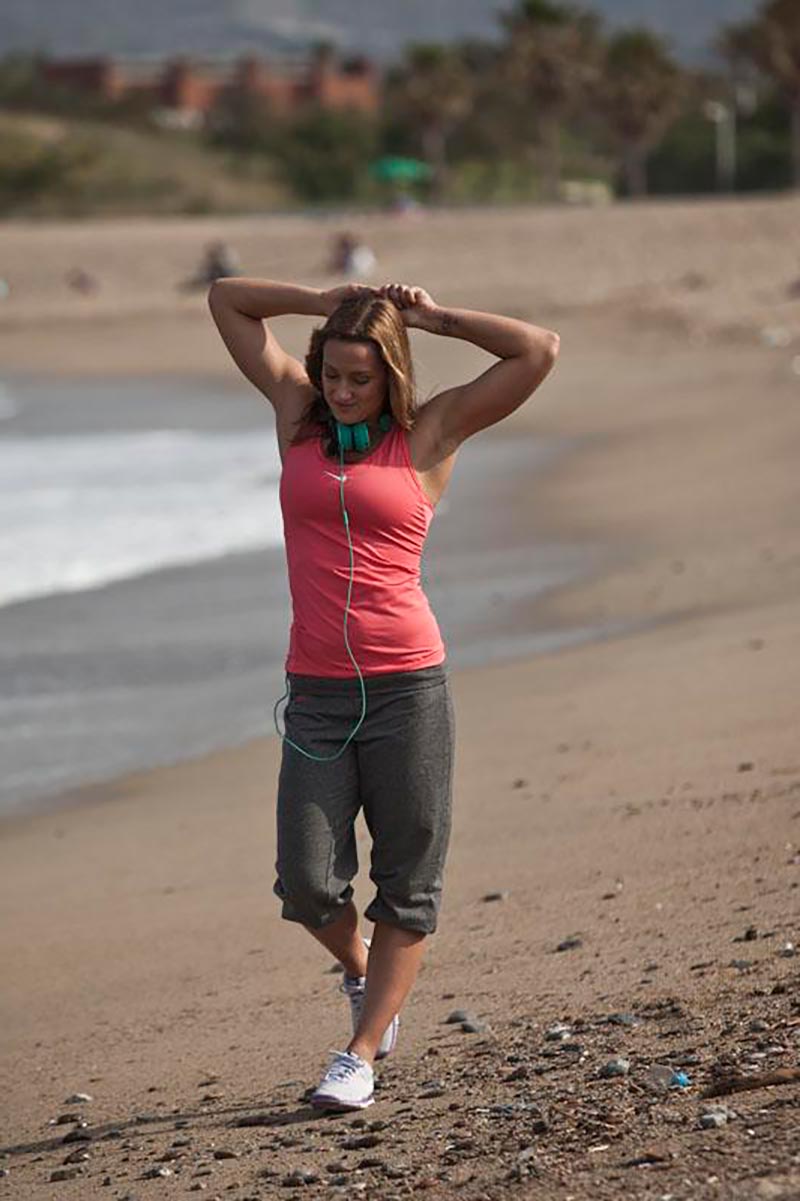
{"x":79,"y":280}
{"x":219,"y":261}
{"x":369,"y":718}
{"x":351,"y":257}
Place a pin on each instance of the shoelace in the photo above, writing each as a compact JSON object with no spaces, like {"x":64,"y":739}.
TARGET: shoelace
{"x":341,"y":1068}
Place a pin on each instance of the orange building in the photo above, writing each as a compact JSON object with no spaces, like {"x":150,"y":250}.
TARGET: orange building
{"x":192,"y":87}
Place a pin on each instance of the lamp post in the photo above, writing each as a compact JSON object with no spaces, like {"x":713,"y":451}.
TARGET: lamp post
{"x":723,"y":117}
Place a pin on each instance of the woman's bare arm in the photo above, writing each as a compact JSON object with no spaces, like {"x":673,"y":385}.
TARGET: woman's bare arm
{"x":240,"y":308}
{"x":526,"y":352}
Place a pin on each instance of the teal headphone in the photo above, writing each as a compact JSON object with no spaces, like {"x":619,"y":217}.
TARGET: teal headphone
{"x":348,"y":437}
{"x":356,"y":437}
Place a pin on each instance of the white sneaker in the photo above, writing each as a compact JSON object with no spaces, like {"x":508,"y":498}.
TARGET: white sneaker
{"x":354,"y":988}
{"x":348,"y":1083}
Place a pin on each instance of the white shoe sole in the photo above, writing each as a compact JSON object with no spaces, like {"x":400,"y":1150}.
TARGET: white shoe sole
{"x":326,"y":1101}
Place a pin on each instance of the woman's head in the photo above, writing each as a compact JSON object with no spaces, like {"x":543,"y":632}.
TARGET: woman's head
{"x":359,"y":363}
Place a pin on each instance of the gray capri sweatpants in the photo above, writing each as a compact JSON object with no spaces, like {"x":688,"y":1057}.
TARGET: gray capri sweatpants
{"x":399,"y":767}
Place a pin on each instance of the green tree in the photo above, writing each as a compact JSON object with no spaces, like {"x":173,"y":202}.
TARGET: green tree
{"x":638,"y":97}
{"x":552,"y":57}
{"x":432,"y":92}
{"x":324,"y":154}
{"x":494,"y":127}
{"x":771,"y":42}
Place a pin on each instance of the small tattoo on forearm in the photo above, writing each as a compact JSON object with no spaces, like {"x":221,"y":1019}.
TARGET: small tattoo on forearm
{"x":447,"y":323}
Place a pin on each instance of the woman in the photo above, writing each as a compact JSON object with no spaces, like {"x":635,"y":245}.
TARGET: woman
{"x":369,"y":720}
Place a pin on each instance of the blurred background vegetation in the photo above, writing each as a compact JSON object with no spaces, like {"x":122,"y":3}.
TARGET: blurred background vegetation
{"x":556,"y":110}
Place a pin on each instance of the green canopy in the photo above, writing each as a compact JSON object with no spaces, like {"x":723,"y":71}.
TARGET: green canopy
{"x":394,"y":168}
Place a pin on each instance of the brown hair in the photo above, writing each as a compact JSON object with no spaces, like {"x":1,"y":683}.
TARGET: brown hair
{"x":364,"y":318}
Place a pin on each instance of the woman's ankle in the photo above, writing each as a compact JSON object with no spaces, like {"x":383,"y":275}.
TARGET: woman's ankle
{"x":363,"y":1051}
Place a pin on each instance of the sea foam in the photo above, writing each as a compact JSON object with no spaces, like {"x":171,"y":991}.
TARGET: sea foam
{"x":81,"y":511}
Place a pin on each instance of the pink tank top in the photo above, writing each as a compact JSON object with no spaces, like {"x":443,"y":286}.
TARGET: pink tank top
{"x":390,"y":626}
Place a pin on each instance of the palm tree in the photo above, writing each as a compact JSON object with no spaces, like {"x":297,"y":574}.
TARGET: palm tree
{"x":639,"y":95}
{"x":772,"y":43}
{"x":551,"y":58}
{"x":432,"y":91}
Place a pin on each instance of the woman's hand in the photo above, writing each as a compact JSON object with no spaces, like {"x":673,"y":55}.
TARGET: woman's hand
{"x":415,"y":304}
{"x":335,"y":296}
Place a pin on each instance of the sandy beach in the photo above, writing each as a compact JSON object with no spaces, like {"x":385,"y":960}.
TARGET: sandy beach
{"x":633,"y":804}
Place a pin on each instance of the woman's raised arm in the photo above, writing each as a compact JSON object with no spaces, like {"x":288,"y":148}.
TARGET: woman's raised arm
{"x":526,"y":352}
{"x":239,"y":308}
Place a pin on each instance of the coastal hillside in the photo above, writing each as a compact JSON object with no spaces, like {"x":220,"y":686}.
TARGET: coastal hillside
{"x":66,"y":167}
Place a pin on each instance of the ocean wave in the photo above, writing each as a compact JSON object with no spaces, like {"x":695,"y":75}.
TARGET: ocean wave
{"x":80,"y":512}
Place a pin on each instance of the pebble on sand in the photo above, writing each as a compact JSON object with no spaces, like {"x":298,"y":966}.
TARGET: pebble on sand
{"x":750,"y":935}
{"x":457,"y":1016}
{"x":714,"y":1117}
{"x":363,"y":1141}
{"x":661,"y":1077}
{"x":78,"y":1135}
{"x":434,"y":1090}
{"x":65,"y":1174}
{"x":624,"y":1019}
{"x":300,"y":1176}
{"x":615,"y":1067}
{"x":79,"y":1156}
{"x":557,"y":1033}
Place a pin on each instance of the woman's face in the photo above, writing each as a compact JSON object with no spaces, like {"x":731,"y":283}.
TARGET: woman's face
{"x":354,"y":381}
